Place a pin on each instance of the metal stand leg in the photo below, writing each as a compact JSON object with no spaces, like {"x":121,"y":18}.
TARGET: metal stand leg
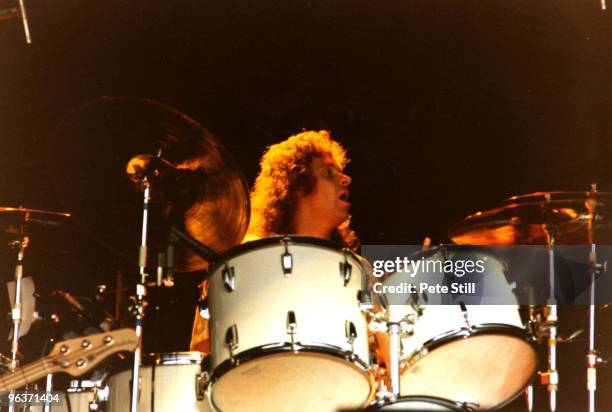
{"x":21,"y":246}
{"x":48,"y":388}
{"x":552,"y":374}
{"x":394,"y":357}
{"x":139,"y":306}
{"x":595,"y":269}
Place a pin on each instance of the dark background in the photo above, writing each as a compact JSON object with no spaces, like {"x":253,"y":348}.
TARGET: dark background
{"x":446,"y":107}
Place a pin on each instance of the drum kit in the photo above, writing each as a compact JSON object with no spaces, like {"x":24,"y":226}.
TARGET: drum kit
{"x":293,"y":322}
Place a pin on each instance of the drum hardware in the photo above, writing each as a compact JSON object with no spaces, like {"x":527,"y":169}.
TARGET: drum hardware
{"x":142,"y":169}
{"x":468,"y":325}
{"x":139,"y":300}
{"x":417,"y":404}
{"x":596,"y":269}
{"x":202,"y":382}
{"x":16,"y":314}
{"x":394,"y":357}
{"x":96,"y":394}
{"x":345,"y":269}
{"x":17,"y":222}
{"x":203,"y":307}
{"x":351,"y":334}
{"x":291,"y":328}
{"x":287,"y":259}
{"x":551,"y":376}
{"x":231,"y":341}
{"x":229,"y":278}
{"x":529,"y":398}
{"x":364,"y":297}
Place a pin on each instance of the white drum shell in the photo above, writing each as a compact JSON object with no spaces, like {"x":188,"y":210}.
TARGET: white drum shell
{"x":259,"y":306}
{"x":170,"y":384}
{"x":445,"y":358}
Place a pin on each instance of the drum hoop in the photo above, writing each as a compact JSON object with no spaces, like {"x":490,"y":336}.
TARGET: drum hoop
{"x":278,"y":240}
{"x":285,"y":347}
{"x":452,"y":405}
{"x":171,"y":358}
{"x":162,"y":359}
{"x":276,"y":348}
{"x":479,"y":329}
{"x":482,"y":329}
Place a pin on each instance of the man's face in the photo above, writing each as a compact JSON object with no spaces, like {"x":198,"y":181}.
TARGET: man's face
{"x":329,"y":197}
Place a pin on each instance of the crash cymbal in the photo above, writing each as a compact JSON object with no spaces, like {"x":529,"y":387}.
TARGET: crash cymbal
{"x":99,"y":149}
{"x":523,"y":220}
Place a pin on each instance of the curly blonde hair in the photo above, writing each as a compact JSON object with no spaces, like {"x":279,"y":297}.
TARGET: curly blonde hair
{"x":285,"y":172}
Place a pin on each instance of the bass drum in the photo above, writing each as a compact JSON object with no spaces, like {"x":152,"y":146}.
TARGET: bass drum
{"x":287,"y":331}
{"x":476,"y":355}
{"x":167,"y":383}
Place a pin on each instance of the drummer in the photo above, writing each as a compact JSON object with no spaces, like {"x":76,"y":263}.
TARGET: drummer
{"x":301,"y":189}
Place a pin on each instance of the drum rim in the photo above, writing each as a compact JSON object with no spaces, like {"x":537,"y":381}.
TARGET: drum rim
{"x":475,"y":330}
{"x":478,"y":330}
{"x":453,"y":405}
{"x":279,"y":240}
{"x":286,"y":347}
{"x":161,"y":359}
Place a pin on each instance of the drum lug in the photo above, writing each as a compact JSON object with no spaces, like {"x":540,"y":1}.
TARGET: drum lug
{"x":291,"y":328}
{"x":466,"y":316}
{"x":229,"y":278}
{"x":203,"y":308}
{"x":231,"y":340}
{"x":287,"y":260}
{"x":351,"y":333}
{"x":346,"y":269}
{"x":365,"y":300}
{"x":202,"y":380}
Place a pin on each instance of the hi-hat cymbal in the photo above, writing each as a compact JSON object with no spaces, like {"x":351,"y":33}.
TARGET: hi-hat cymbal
{"x":202,"y":192}
{"x":20,"y":221}
{"x":18,"y":216}
{"x":523,"y":220}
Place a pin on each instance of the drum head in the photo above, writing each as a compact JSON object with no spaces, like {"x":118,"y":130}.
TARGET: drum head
{"x":460,"y":369}
{"x":303,"y":381}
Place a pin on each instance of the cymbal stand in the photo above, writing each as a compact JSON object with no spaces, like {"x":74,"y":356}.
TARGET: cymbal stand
{"x":21,"y":245}
{"x":595,"y":269}
{"x":394,"y":357}
{"x":551,"y":376}
{"x":140,"y":303}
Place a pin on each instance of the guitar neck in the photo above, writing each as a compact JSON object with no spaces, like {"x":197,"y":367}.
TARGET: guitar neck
{"x":74,"y":356}
{"x":26,"y":375}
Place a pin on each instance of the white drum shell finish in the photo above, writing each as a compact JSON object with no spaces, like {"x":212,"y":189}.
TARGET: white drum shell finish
{"x":487,"y":365}
{"x":79,"y":402}
{"x":259,"y":305}
{"x":170,"y":385}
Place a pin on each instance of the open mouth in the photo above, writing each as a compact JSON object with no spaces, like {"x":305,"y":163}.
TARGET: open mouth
{"x":344,"y":197}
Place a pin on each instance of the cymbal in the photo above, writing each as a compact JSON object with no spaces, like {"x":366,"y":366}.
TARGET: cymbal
{"x":523,"y":220}
{"x":18,"y":216}
{"x":201,"y":189}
